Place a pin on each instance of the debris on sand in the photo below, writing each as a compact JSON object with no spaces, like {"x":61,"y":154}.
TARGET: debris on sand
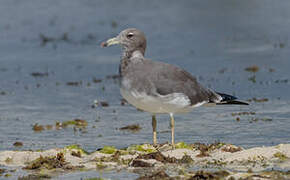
{"x":156,"y":176}
{"x":209,"y":175}
{"x":213,"y":161}
{"x":52,"y":162}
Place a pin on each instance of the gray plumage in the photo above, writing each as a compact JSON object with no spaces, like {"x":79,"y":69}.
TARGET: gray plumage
{"x":157,"y":87}
{"x":157,"y":78}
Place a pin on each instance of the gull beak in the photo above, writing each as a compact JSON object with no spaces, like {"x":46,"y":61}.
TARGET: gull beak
{"x":110,"y":42}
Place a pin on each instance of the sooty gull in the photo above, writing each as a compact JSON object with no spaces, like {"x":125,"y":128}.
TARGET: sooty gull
{"x":157,"y":87}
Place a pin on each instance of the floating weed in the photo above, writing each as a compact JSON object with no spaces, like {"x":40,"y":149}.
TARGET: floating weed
{"x":94,"y":178}
{"x":18,"y":144}
{"x":39,"y":74}
{"x":37,"y":128}
{"x":48,"y":127}
{"x":258,"y":100}
{"x":243,"y":113}
{"x":74,"y":83}
{"x":253,"y":68}
{"x":78,"y":123}
{"x":133,"y":128}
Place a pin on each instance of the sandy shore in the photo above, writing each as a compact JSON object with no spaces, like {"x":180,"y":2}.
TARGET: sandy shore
{"x":186,"y":161}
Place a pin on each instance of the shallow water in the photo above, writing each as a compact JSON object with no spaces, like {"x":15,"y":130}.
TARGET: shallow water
{"x":215,"y":41}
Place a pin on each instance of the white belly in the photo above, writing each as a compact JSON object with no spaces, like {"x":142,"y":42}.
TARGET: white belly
{"x":172,"y":103}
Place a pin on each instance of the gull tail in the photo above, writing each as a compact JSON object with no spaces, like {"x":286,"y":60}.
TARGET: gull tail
{"x":228,"y":99}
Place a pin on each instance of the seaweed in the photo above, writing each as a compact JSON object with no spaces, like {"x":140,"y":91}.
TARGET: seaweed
{"x":49,"y":163}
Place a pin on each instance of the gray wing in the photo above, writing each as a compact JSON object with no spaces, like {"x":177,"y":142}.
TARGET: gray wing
{"x":165,"y":79}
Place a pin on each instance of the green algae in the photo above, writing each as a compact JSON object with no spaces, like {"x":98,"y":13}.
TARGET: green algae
{"x":280,"y":156}
{"x":147,"y":148}
{"x":77,"y":148}
{"x":182,"y":145}
{"x":75,"y":122}
{"x":108,"y":150}
{"x":8,"y":160}
{"x":95,"y":178}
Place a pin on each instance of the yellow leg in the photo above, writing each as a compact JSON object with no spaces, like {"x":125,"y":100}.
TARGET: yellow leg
{"x":154,"y":123}
{"x":172,"y":130}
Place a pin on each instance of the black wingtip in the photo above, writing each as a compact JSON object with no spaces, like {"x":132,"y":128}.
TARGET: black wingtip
{"x":229,"y":99}
{"x":234,"y":102}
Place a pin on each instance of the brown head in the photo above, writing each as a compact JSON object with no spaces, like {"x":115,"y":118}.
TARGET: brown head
{"x":130,"y":39}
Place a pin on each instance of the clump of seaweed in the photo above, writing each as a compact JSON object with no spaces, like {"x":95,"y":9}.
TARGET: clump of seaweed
{"x":157,"y":156}
{"x":37,"y":128}
{"x":75,"y":122}
{"x":18,"y":144}
{"x":206,"y":148}
{"x":253,"y":68}
{"x":210,"y":175}
{"x":74,"y":83}
{"x":243,"y":113}
{"x":50,"y":162}
{"x":156,"y":175}
{"x":76,"y":150}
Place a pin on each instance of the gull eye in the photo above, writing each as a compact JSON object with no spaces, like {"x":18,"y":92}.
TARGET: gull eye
{"x":130,"y":35}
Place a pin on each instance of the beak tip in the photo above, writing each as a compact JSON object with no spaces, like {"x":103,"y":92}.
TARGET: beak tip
{"x":104,"y":44}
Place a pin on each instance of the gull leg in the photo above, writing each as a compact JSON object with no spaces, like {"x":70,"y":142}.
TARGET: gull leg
{"x":154,"y":123}
{"x":172,"y":130}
